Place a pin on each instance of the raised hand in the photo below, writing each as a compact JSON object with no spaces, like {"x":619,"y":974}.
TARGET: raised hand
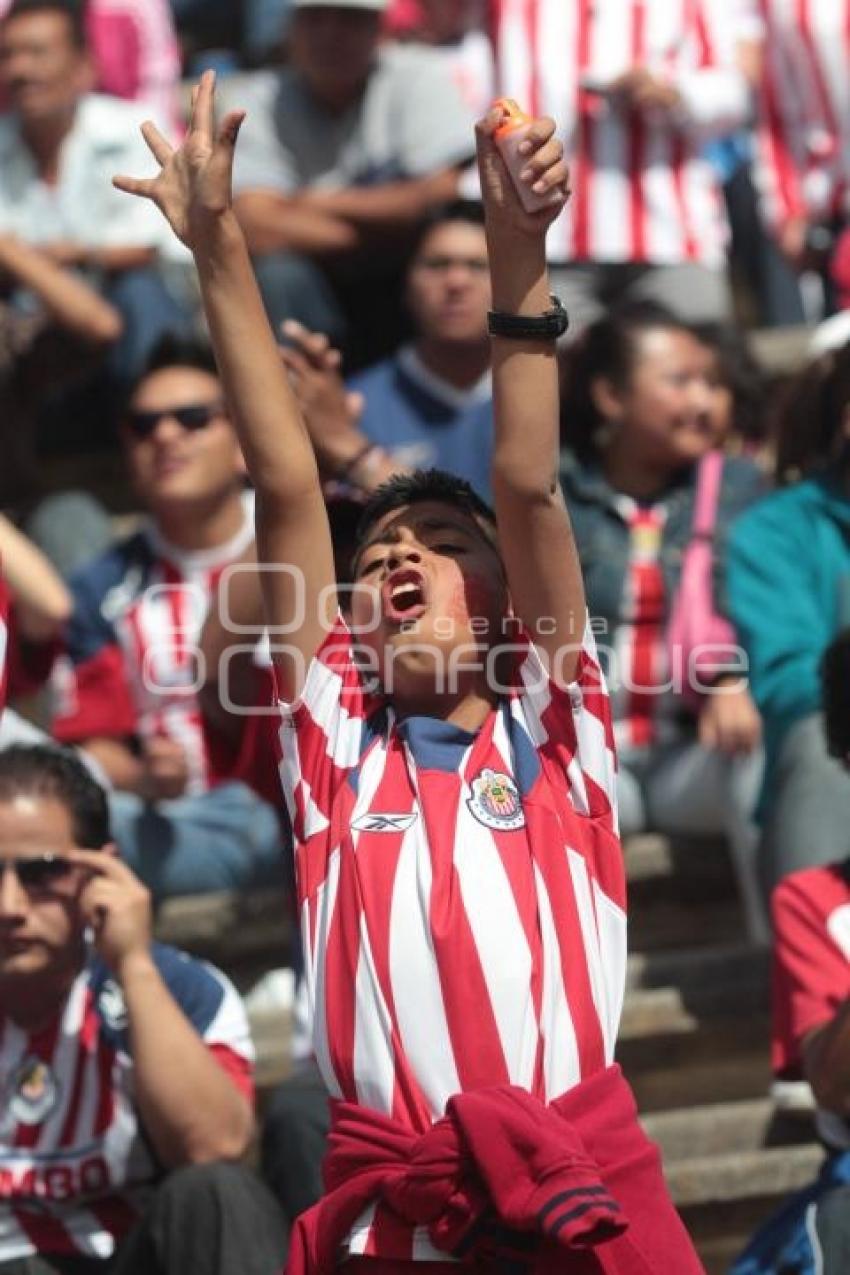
{"x":193,"y":188}
{"x":331,"y":412}
{"x":165,"y":769}
{"x":545,"y":170}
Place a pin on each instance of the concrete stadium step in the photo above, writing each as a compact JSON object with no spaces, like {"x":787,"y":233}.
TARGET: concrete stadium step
{"x":770,"y":1172}
{"x":729,"y":1166}
{"x":695,"y":1026}
{"x":245,"y":933}
{"x":723,"y":1199}
{"x":727,"y":1128}
{"x":681,"y":892}
{"x":698,"y":969}
{"x":683,"y":1007}
{"x":657,"y":923}
{"x":690,"y":861}
{"x":718,"y":1062}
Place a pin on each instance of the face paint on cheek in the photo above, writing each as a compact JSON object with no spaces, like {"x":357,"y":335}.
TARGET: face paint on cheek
{"x":472,"y":596}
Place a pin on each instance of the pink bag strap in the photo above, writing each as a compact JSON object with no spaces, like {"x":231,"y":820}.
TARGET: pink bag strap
{"x":707,"y":495}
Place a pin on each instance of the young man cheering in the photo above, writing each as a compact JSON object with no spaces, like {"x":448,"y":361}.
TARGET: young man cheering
{"x":451,"y":789}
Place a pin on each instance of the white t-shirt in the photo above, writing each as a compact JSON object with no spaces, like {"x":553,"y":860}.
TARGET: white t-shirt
{"x":410,"y":121}
{"x":83,"y":207}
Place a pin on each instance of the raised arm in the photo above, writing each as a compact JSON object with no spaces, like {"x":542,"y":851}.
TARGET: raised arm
{"x":193,"y":191}
{"x":538,"y":549}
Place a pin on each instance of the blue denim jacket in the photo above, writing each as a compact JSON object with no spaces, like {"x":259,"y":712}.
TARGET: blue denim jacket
{"x":602,"y":535}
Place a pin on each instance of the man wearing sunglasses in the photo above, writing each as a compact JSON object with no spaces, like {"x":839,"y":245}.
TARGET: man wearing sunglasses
{"x":126,"y":1068}
{"x":182,"y":818}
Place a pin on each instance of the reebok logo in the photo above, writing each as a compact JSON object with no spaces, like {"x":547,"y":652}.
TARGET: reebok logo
{"x":374,"y":822}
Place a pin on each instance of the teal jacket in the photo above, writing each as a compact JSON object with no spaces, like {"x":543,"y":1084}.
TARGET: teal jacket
{"x":788,"y":586}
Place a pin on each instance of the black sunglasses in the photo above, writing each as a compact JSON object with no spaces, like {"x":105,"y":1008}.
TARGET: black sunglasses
{"x":191,"y":417}
{"x":39,"y":873}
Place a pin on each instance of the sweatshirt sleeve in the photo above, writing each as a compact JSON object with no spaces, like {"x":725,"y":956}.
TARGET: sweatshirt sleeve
{"x":774,"y":605}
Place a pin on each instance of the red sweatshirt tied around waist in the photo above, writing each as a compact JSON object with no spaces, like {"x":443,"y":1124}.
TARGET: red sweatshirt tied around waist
{"x":573,"y":1187}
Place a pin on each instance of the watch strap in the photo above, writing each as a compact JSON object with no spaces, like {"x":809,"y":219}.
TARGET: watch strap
{"x":541,"y":327}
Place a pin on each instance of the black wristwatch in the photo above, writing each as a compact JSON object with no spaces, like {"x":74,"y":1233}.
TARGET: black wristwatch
{"x":536,"y":327}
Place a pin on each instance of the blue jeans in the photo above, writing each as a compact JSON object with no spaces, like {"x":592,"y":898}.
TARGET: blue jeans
{"x":224,"y":839}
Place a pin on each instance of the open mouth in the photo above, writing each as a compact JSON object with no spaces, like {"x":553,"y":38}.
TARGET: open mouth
{"x":403,"y":596}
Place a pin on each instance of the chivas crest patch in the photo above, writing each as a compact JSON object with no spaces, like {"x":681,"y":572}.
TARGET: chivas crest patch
{"x":33,"y":1091}
{"x":112,"y":1006}
{"x":495,"y":801}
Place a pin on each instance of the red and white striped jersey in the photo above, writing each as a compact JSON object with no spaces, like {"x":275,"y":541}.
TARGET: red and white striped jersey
{"x":811,"y":971}
{"x":641,"y":701}
{"x":803,"y":138}
{"x":642,"y":190}
{"x":131,"y":666}
{"x":75,"y":1166}
{"x":462,"y":895}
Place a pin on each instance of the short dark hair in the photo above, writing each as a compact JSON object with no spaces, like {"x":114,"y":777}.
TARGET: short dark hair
{"x":177,"y":349}
{"x":173,"y":349}
{"x":470,"y":211}
{"x":412,"y":489}
{"x":835,"y":672}
{"x":607,"y":350}
{"x":73,"y":10}
{"x":57,"y":774}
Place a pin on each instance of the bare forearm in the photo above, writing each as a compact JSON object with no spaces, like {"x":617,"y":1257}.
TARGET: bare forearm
{"x":120,"y":260}
{"x":190,"y":1109}
{"x":539,"y":549}
{"x":120,"y":764}
{"x":274,"y":440}
{"x":525,"y":373}
{"x":273,"y":223}
{"x":393,"y":204}
{"x":42,"y":602}
{"x":113,"y":260}
{"x":827,"y":1059}
{"x":70,"y":301}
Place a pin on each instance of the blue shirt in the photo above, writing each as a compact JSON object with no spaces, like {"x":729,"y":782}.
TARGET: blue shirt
{"x":424,"y":422}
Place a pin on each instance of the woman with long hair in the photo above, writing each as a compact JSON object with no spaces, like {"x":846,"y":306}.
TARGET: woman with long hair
{"x":637,"y":427}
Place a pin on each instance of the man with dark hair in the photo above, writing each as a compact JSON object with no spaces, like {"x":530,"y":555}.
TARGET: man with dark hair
{"x":126,"y":1067}
{"x":183,"y":819}
{"x":460,"y":882}
{"x":59,"y":143}
{"x":430,"y":403}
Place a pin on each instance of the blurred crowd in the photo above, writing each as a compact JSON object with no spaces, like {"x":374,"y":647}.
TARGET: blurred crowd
{"x":709,"y":143}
